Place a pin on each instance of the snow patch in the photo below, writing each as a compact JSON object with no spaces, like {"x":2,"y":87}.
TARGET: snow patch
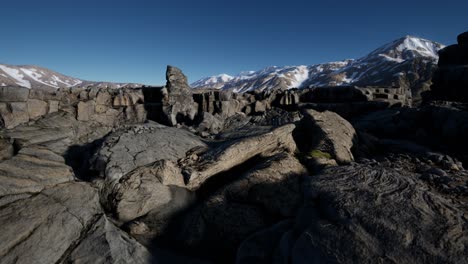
{"x":15,"y":74}
{"x":35,"y":76}
{"x":300,"y":75}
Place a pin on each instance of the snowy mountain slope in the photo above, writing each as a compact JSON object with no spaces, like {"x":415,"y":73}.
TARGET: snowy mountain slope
{"x":34,"y":77}
{"x":407,"y":61}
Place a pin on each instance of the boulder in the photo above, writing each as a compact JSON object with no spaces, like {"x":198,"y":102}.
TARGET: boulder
{"x":103,"y":98}
{"x":236,"y":152}
{"x":260,"y":107}
{"x":85,"y":110}
{"x":138,"y":145}
{"x":328,"y":133}
{"x":53,"y":106}
{"x":36,"y":108}
{"x":142,"y":190}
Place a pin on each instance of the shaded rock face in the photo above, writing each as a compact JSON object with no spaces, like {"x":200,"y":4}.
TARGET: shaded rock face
{"x":349,"y":203}
{"x":267,"y":192}
{"x":451,"y":78}
{"x":439,"y":127}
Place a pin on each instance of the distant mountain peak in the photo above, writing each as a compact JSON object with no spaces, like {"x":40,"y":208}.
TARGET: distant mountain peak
{"x":408,"y":47}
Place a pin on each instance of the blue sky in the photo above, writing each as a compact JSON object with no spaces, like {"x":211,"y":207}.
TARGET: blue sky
{"x":133,"y":41}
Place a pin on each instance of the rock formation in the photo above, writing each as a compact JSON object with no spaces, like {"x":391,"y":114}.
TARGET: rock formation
{"x":451,"y":78}
{"x":178,"y":105}
{"x":342,"y":175}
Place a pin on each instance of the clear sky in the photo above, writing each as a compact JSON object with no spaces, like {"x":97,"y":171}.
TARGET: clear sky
{"x":134,"y":40}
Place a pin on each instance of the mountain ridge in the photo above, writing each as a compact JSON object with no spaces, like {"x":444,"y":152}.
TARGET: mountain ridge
{"x":392,"y":61}
{"x":37,"y":77}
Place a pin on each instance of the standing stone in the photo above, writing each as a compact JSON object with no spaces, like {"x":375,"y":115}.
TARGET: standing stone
{"x":176,"y":81}
{"x":178,"y":105}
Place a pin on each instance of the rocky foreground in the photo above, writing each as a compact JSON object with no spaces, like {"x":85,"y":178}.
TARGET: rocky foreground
{"x":162,"y":175}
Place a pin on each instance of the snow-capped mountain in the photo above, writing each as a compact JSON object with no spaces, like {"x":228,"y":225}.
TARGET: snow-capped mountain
{"x":34,"y":77}
{"x":407,"y":61}
{"x":213,"y":81}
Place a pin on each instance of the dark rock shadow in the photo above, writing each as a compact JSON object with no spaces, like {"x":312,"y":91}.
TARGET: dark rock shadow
{"x":218,"y":243}
{"x":78,"y":158}
{"x":153,"y":102}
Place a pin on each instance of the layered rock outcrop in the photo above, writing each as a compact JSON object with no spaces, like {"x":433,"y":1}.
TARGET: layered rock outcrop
{"x":103,"y":106}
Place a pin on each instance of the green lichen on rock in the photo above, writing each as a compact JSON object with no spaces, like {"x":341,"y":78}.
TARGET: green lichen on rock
{"x":319,"y":154}
{"x":314,"y":154}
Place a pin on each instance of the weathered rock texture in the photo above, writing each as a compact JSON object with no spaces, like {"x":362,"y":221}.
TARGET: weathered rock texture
{"x":388,"y":214}
{"x":235,"y":153}
{"x":178,"y":105}
{"x":329,"y":133}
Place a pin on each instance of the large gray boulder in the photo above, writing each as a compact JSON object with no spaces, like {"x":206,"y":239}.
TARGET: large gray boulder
{"x":138,"y":145}
{"x":236,"y":152}
{"x":328,"y":133}
{"x":142,"y":190}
